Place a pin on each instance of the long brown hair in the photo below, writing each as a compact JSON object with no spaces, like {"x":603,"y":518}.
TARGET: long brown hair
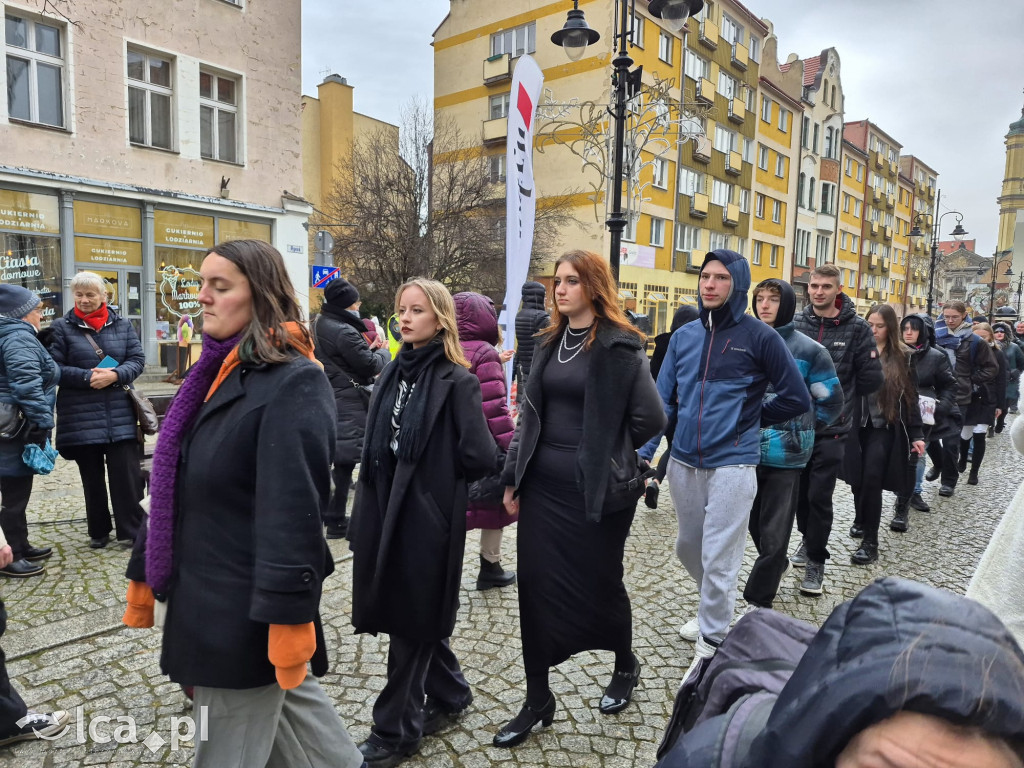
{"x":599,"y":288}
{"x":898,"y":384}
{"x":266,"y":338}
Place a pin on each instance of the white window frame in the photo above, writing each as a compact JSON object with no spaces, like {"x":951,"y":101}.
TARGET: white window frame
{"x":748,"y":150}
{"x":783,"y":119}
{"x":629,"y":231}
{"x":501,"y":101}
{"x":721,"y":193}
{"x":849,"y":166}
{"x":744,"y":201}
{"x":496,"y":168}
{"x":515,"y":41}
{"x":766,"y":110}
{"x":219,"y":107}
{"x":773,"y":259}
{"x":730,"y":24}
{"x":762,"y":157}
{"x":638,"y":30}
{"x":696,"y":67}
{"x":657,"y":232}
{"x":726,"y":140}
{"x":665,"y":41}
{"x":776,"y":211}
{"x":35,"y":59}
{"x":728,"y":85}
{"x":691,"y":182}
{"x":759,"y":205}
{"x":780,"y":165}
{"x":150,"y":89}
{"x":687,"y":237}
{"x":755,"y":253}
{"x":754,"y":49}
{"x":659,"y":169}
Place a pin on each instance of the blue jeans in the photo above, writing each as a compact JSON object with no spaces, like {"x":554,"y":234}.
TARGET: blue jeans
{"x":919,"y":476}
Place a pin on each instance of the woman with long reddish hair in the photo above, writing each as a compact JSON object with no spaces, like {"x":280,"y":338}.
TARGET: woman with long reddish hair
{"x":573,"y":475}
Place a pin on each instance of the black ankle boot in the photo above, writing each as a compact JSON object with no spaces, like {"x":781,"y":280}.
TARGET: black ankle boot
{"x":961,"y":464}
{"x":493,"y":575}
{"x":867,"y":554}
{"x":901,"y":520}
{"x":516,"y":731}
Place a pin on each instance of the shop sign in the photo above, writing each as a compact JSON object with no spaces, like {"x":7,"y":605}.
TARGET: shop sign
{"x":99,"y":219}
{"x":184,"y":230}
{"x":179,"y":291}
{"x":233,"y":229}
{"x":94,"y":250}
{"x":29,"y":212}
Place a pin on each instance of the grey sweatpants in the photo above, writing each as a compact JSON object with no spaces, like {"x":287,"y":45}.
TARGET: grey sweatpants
{"x":272,"y":728}
{"x":713,"y":508}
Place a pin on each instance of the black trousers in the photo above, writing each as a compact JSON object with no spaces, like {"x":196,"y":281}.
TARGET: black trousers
{"x":122,"y":467}
{"x":342,"y":474}
{"x":875,"y":447}
{"x":814,"y":500}
{"x":771,"y":522}
{"x":14,"y":495}
{"x":944,"y":454}
{"x":12,"y":708}
{"x":416,"y":670}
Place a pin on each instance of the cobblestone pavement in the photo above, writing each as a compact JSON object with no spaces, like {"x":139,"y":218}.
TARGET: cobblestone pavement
{"x":66,"y":647}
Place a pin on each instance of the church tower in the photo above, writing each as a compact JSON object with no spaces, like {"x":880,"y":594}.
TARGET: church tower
{"x":1011,"y":201}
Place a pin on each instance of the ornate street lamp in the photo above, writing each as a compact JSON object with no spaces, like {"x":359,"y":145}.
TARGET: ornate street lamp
{"x":996,"y":261}
{"x":574,"y":37}
{"x":916,"y":233}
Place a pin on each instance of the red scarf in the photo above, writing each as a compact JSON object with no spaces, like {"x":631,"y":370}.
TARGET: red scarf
{"x":96,"y":319}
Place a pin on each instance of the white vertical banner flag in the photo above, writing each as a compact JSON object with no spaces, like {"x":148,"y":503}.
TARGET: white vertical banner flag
{"x":520,"y":197}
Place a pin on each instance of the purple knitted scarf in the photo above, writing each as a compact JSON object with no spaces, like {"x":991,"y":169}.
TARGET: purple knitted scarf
{"x":176,"y":423}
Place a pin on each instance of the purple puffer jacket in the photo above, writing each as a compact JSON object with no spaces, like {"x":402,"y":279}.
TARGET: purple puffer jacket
{"x":478,"y":333}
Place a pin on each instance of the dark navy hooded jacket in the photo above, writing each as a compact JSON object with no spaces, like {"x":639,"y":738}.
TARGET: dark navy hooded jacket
{"x":716,"y":372}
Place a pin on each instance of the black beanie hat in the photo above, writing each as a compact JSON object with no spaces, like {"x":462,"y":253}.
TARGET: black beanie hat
{"x":16,"y":301}
{"x":341,"y":293}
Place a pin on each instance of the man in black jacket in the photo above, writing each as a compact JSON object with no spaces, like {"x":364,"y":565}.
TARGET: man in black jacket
{"x":831,"y":320}
{"x":530,"y":319}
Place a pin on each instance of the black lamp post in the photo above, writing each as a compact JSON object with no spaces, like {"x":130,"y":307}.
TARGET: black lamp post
{"x":996,"y":261}
{"x":574,"y":37}
{"x":957,"y":234}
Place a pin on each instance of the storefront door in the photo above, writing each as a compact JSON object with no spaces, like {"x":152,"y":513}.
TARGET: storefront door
{"x":124,"y":292}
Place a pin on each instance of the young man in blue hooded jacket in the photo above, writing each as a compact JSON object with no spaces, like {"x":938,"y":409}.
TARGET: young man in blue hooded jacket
{"x":713,"y":382}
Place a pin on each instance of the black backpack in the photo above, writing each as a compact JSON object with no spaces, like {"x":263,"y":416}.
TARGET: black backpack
{"x":725,"y":702}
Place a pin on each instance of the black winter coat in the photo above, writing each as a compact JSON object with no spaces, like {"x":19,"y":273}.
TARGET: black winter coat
{"x":249,"y":550}
{"x":935,"y":379}
{"x":87,"y":416}
{"x":898,"y":645}
{"x":622,"y":410}
{"x":848,"y":339}
{"x":530,"y":319}
{"x":408,"y":530}
{"x":28,"y":379}
{"x":990,"y":395}
{"x":348,"y":360}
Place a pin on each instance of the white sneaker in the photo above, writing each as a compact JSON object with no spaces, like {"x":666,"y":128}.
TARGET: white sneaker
{"x":690,"y":630}
{"x":36,"y":725}
{"x":701,"y":650}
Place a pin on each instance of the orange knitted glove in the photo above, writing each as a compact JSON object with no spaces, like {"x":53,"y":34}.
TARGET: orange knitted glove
{"x":139,"y":612}
{"x":289,"y":647}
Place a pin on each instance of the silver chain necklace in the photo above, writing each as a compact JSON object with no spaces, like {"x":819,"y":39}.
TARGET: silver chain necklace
{"x":564,"y":345}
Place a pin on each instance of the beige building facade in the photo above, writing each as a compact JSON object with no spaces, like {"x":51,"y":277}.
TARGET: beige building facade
{"x":1011,"y":201}
{"x":135,"y":142}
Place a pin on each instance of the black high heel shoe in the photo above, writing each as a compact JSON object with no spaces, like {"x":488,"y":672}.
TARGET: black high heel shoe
{"x":620,"y":690}
{"x":516,"y":731}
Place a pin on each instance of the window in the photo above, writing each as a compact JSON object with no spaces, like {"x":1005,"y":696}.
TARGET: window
{"x":35,"y":71}
{"x":691,"y":182}
{"x":783,"y":119}
{"x":665,"y":47}
{"x":853,"y":276}
{"x":498,"y":106}
{"x":748,"y":149}
{"x":727,"y":85}
{"x":744,"y":201}
{"x":828,"y":196}
{"x":843,"y":237}
{"x":803,"y":247}
{"x":755,"y":49}
{"x":860,"y":172}
{"x":828,"y":142}
{"x":762,"y":157}
{"x":741,"y":246}
{"x":759,"y":206}
{"x":638,"y":30}
{"x":810,"y":194}
{"x":776,"y":211}
{"x":218,"y":117}
{"x":718,"y":241}
{"x":687,"y":237}
{"x":774,"y":259}
{"x":857,"y":208}
{"x":849,"y":167}
{"x":660,"y":173}
{"x":726,"y":140}
{"x":721,"y":193}
{"x":821,"y":249}
{"x":629,"y":231}
{"x":657,"y":232}
{"x":751,"y":98}
{"x":846,"y":203}
{"x":695,"y":67}
{"x":780,"y":166}
{"x":814,"y":144}
{"x":766,"y":109}
{"x":806,"y":133}
{"x":801,"y":182}
{"x":496,"y":168}
{"x":732,"y":32}
{"x":149,"y":100}
{"x":755,"y":255}
{"x":515,"y":41}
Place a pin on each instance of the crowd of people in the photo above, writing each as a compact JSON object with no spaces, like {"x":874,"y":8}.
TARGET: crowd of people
{"x":763,"y":407}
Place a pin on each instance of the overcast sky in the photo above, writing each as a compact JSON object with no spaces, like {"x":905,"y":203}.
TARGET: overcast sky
{"x":946,"y":83}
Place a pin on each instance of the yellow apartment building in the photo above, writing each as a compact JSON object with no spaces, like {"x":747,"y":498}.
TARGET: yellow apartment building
{"x":909,"y":292}
{"x":851,"y":216}
{"x":923,"y":183}
{"x":1011,"y":201}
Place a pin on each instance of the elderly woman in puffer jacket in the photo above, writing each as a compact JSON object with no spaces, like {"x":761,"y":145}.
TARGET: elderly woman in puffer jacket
{"x":478,"y":334}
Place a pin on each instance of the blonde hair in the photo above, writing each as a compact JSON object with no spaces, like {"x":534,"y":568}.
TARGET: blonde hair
{"x":991,"y":340}
{"x":441,"y":304}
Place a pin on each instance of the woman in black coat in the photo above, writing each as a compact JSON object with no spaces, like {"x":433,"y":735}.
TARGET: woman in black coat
{"x":988,"y":403}
{"x":28,"y":382}
{"x":886,"y":434}
{"x":99,"y":355}
{"x":234,"y":544}
{"x":351,"y":363}
{"x":426,"y":436}
{"x":573,"y":474}
{"x":934,"y":379}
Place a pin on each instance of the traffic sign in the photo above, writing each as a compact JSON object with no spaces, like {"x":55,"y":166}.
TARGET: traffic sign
{"x":323,"y":275}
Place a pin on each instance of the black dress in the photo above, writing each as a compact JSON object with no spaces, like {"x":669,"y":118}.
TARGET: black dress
{"x":571,"y":594}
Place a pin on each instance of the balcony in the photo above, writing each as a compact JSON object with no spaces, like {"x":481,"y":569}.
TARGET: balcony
{"x":699,"y":205}
{"x":874,"y":261}
{"x":920,"y":187}
{"x":731,"y":214}
{"x":705,"y":91}
{"x":930,"y":193}
{"x":894,"y":167}
{"x":737,"y":110}
{"x":825,"y":221}
{"x":498,"y":68}
{"x":495,"y":130}
{"x":877,"y":158}
{"x":733,"y":163}
{"x":890,"y":201}
{"x":874,"y":229}
{"x":694,"y":261}
{"x":886,"y":264}
{"x":701,"y":149}
{"x":877,"y":194}
{"x":740,"y":56}
{"x":888,"y":233}
{"x":709,"y":34}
